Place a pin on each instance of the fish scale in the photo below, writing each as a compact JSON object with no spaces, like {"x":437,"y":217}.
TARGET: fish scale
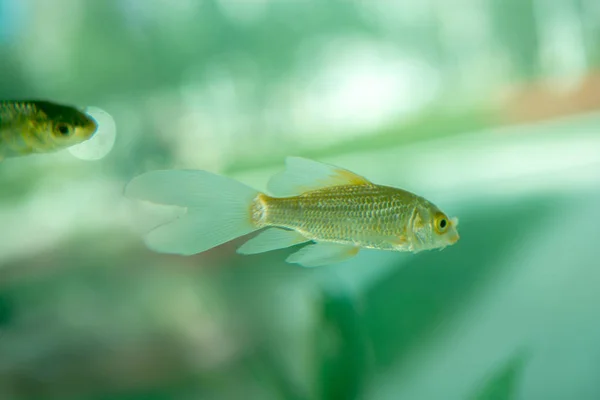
{"x":363,"y":214}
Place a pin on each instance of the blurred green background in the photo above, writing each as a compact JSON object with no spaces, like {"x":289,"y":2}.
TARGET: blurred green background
{"x":489,"y":108}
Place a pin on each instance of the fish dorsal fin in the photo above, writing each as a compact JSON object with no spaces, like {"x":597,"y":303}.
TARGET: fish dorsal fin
{"x":303,"y":175}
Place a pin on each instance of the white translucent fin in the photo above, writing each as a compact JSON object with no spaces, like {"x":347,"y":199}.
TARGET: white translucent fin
{"x":318,"y":254}
{"x":186,"y":188}
{"x":302,"y":175}
{"x":218,"y":209}
{"x":271,"y":239}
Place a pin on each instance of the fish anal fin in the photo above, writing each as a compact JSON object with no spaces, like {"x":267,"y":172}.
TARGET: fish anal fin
{"x":303,"y":175}
{"x":271,"y":239}
{"x":318,"y":254}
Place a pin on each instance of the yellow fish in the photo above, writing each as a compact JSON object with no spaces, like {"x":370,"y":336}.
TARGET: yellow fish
{"x":28,"y":127}
{"x":336,"y":210}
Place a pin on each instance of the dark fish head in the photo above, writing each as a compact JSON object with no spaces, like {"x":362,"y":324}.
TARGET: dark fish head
{"x":67,"y":125}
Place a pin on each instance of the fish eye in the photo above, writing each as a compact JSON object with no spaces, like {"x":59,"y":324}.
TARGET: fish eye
{"x":441,"y":223}
{"x":63,"y":128}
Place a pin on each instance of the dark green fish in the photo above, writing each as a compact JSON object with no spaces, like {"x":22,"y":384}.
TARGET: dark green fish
{"x":28,"y":127}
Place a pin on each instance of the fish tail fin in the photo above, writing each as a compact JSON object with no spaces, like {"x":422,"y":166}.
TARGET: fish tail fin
{"x":218,"y":209}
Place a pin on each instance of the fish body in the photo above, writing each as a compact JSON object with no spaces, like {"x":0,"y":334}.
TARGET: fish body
{"x":337,"y":211}
{"x":366,"y":215}
{"x":29,"y":127}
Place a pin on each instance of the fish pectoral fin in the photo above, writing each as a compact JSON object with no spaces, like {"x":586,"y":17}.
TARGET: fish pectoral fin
{"x":302,"y":175}
{"x":315,"y":255}
{"x":271,"y":239}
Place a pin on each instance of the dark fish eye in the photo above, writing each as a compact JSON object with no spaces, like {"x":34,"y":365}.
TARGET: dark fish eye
{"x":63,"y":129}
{"x":443,"y":223}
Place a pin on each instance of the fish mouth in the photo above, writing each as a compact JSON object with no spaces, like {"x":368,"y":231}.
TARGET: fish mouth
{"x":91,"y":126}
{"x":454,"y":238}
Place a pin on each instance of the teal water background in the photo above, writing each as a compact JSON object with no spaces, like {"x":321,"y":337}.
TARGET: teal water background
{"x":489,"y":108}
